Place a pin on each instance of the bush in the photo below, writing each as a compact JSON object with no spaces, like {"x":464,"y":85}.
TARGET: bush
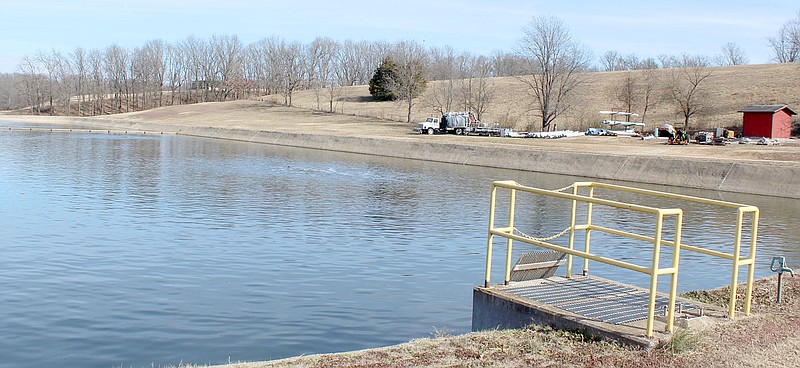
{"x":381,"y":85}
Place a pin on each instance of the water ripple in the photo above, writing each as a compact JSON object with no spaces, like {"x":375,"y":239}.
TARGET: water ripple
{"x":129,"y":251}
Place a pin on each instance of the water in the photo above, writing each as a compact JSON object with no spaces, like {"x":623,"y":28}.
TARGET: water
{"x":138,"y":250}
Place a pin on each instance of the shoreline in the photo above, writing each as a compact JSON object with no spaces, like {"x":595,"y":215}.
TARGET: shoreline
{"x":625,"y":160}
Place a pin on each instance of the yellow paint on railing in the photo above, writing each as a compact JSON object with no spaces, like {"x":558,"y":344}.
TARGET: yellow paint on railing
{"x":653,"y":269}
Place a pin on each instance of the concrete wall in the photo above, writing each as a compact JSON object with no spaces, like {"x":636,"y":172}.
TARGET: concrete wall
{"x":751,"y":177}
{"x":491,"y":311}
{"x":771,"y":178}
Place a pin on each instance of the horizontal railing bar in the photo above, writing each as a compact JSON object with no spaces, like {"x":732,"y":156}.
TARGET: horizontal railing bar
{"x":635,"y":207}
{"x":574,"y":252}
{"x":715,"y":202}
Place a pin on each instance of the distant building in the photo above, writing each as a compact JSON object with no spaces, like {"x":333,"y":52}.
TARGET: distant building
{"x":769,"y":121}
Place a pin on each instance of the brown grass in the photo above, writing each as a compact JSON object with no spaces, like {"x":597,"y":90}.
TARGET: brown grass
{"x":729,"y":89}
{"x":259,"y":116}
{"x":767,"y":338}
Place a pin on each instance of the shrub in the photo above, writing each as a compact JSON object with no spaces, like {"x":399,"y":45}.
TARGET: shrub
{"x":381,"y":85}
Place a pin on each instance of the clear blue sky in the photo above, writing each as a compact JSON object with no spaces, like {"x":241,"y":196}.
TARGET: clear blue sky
{"x":642,"y":27}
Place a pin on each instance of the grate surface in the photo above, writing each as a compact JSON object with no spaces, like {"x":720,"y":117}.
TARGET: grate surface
{"x":594,"y":298}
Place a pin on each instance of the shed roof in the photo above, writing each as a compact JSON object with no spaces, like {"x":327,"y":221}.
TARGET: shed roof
{"x":767,"y":108}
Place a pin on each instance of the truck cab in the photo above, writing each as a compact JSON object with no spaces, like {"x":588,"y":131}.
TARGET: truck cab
{"x":429,"y":126}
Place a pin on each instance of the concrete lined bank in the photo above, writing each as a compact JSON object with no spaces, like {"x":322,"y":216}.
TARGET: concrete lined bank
{"x":762,"y":178}
{"x":772,"y":178}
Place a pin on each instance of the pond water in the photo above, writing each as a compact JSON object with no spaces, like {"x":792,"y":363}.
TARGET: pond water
{"x":121,"y":250}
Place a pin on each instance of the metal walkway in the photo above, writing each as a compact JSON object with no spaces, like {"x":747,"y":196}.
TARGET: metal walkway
{"x":594,"y":298}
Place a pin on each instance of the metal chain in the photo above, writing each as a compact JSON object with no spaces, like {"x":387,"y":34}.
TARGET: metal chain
{"x":549,"y":237}
{"x":542,"y":239}
{"x":564,"y":188}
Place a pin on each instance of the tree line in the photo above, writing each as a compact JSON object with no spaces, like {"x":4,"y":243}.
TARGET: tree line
{"x":114,"y":79}
{"x":221,"y":68}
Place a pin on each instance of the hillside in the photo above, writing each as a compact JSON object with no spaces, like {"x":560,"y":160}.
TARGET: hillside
{"x":729,"y":89}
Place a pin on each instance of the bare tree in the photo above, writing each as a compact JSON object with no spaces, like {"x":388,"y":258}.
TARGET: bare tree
{"x":731,"y":54}
{"x":81,"y":65}
{"x":686,"y":86}
{"x":33,"y":83}
{"x":155,"y":53}
{"x":48,"y":63}
{"x":786,"y":45}
{"x":320,"y":55}
{"x":612,"y":61}
{"x":409,"y":78}
{"x":648,"y":63}
{"x":668,"y":61}
{"x":10,"y":94}
{"x":637,"y":91}
{"x":350,"y":64}
{"x":291,"y":69}
{"x":64,"y":81}
{"x":554,"y":62}
{"x":647,"y":85}
{"x":225,"y":69}
{"x":444,"y":69}
{"x":506,"y":64}
{"x":254,"y":68}
{"x":116,"y":61}
{"x":626,"y":92}
{"x":477,"y":87}
{"x":631,"y":62}
{"x":327,"y":70}
{"x":97,"y":81}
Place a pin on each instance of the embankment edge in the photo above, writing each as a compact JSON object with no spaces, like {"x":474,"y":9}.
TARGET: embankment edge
{"x":770,"y":178}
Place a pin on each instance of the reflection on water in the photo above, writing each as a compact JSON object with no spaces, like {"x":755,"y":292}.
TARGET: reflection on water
{"x":129,"y":251}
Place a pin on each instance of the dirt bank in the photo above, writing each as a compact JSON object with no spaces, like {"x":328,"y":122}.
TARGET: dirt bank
{"x":764,"y":170}
{"x":768,"y":338}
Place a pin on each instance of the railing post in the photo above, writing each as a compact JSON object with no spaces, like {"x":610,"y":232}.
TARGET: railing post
{"x":572,"y":230}
{"x":651,"y":303}
{"x":587,"y":241}
{"x":751,"y":268}
{"x":737,"y":246}
{"x":676,"y":256}
{"x":490,"y":240}
{"x":509,"y":241}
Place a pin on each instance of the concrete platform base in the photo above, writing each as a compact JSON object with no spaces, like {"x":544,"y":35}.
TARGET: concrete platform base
{"x":599,"y":307}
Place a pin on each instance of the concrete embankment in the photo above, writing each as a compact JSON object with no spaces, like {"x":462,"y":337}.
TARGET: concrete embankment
{"x":751,"y":177}
{"x":772,"y":178}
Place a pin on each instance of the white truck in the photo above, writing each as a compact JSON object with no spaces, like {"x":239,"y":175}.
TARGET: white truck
{"x":429,"y":126}
{"x":458,"y":123}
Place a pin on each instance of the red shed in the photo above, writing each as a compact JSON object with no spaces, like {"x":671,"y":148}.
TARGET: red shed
{"x":769,"y":121}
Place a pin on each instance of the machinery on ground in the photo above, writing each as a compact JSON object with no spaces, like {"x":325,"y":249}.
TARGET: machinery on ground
{"x":459,"y":123}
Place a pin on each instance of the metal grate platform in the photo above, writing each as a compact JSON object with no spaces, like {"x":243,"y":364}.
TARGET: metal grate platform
{"x":594,"y":298}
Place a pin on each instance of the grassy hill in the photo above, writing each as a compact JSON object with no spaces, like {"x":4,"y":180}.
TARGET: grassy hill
{"x":728,"y":88}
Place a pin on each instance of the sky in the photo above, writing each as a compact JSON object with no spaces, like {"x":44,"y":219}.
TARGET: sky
{"x":645,"y":28}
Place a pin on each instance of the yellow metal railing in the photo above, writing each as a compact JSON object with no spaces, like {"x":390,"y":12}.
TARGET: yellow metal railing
{"x":654,"y":269}
{"x":735,"y":255}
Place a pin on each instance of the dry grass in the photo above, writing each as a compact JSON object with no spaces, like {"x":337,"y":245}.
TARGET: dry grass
{"x":768,"y":338}
{"x":259,"y":116}
{"x":729,"y":89}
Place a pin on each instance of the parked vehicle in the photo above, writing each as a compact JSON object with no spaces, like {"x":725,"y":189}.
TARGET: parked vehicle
{"x":429,"y":126}
{"x":459,"y":123}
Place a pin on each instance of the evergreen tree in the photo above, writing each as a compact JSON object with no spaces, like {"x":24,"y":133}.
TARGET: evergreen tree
{"x":382,"y":85}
